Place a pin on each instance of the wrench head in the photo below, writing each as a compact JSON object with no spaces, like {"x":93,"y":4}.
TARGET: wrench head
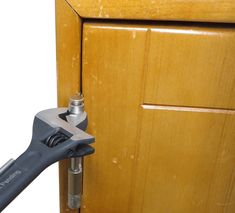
{"x":55,"y":132}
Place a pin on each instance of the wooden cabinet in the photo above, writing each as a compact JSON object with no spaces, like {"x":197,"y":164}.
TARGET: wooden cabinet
{"x":160,"y":97}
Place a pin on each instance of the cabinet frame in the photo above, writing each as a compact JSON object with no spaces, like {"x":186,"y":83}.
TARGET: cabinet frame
{"x":68,"y":56}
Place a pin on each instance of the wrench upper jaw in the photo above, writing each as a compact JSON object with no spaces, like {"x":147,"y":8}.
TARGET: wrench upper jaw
{"x":59,"y":117}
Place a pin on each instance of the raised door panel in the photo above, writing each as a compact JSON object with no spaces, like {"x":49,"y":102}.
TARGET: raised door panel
{"x":191,"y":66}
{"x":185,"y":161}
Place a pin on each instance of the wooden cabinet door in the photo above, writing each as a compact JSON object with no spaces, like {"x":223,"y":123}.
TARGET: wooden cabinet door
{"x":160,"y":101}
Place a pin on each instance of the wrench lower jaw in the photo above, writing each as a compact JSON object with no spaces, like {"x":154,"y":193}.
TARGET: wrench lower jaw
{"x":81,"y":151}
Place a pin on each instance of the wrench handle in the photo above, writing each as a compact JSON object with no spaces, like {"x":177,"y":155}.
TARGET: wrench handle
{"x":19,"y":175}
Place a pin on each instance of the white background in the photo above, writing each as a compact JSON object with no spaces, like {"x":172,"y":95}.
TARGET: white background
{"x":27,"y":85}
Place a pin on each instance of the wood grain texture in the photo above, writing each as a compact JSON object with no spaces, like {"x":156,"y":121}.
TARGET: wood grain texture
{"x":68,"y":37}
{"x":149,"y":160}
{"x":68,"y":40}
{"x":185,"y":163}
{"x":113,"y":65}
{"x":180,"y":10}
{"x":191,"y":66}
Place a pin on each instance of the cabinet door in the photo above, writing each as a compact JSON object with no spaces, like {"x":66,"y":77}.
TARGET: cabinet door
{"x":156,"y":152}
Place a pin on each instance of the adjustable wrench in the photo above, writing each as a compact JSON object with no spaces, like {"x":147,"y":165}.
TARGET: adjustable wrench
{"x":57,"y":135}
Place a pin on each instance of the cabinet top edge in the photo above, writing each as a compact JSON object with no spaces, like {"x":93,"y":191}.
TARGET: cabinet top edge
{"x":170,"y":10}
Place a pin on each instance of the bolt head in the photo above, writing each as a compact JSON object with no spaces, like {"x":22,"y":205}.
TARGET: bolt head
{"x":76,"y":104}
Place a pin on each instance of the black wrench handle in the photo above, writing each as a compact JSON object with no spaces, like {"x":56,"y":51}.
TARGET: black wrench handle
{"x":19,"y":175}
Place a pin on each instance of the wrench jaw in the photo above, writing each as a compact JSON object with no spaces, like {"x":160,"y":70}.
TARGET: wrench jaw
{"x":81,"y":151}
{"x":57,"y":139}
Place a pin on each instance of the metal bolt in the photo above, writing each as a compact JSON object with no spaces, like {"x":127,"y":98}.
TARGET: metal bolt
{"x":76,"y":104}
{"x":75,"y":172}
